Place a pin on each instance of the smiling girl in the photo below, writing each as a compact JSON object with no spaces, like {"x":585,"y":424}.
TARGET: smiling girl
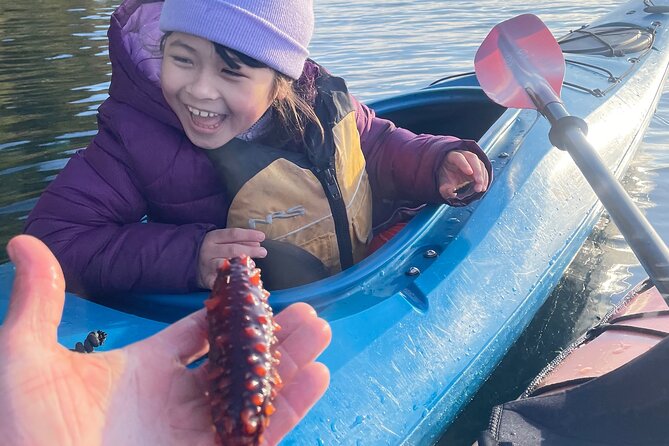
{"x":229,"y":137}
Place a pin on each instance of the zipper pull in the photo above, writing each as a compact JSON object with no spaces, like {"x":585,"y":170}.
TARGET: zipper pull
{"x":331,"y":182}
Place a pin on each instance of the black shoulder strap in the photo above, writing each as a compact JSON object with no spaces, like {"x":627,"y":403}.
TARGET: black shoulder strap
{"x":331,"y":105}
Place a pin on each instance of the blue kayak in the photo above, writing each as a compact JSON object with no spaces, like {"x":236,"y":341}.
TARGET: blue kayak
{"x":420,"y":325}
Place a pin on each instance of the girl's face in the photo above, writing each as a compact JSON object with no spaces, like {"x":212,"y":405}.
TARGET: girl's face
{"x":214,"y":102}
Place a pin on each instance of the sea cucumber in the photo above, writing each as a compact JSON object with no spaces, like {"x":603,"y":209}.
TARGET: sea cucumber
{"x":243,"y":360}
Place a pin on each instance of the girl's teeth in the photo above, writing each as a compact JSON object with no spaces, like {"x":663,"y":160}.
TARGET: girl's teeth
{"x":202,"y":113}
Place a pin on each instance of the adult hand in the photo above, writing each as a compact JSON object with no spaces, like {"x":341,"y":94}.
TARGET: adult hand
{"x":139,"y":395}
{"x":224,"y":244}
{"x":461,"y":168}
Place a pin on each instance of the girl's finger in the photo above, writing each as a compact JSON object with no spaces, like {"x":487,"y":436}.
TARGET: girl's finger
{"x":479,"y":171}
{"x":459,"y":160}
{"x":235,"y":250}
{"x":38,"y":294}
{"x":481,"y":175}
{"x":447,"y":191}
{"x":237,"y":235}
{"x":486,"y":179}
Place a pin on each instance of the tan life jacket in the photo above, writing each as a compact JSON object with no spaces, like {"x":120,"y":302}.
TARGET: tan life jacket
{"x":320,"y":201}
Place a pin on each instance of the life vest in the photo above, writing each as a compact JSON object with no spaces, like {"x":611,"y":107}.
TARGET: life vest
{"x":319,"y":199}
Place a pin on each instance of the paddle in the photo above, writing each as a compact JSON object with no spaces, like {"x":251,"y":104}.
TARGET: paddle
{"x":521,"y":65}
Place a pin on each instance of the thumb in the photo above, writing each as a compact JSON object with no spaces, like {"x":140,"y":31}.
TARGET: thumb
{"x":38,"y":294}
{"x":447,"y":190}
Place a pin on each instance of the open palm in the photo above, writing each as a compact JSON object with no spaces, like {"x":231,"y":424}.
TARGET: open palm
{"x":141,"y":394}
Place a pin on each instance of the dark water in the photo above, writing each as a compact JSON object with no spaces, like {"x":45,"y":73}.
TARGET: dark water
{"x":54,"y":72}
{"x":53,"y":75}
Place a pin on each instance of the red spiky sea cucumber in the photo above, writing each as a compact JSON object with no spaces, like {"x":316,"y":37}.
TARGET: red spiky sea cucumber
{"x":243,"y":360}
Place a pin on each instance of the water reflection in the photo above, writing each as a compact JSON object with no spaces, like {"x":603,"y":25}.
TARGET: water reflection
{"x":53,"y":63}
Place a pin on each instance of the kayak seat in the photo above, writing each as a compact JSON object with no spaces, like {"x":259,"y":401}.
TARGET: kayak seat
{"x":288,"y":266}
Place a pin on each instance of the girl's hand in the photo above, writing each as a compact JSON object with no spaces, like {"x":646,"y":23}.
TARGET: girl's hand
{"x":142,"y":394}
{"x":224,"y":244}
{"x":459,"y":169}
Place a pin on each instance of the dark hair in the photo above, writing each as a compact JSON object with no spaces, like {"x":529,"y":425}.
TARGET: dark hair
{"x":295,"y":110}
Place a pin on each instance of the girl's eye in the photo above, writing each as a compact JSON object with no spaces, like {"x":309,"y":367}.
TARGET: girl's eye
{"x":232,"y":73}
{"x":182,"y":60}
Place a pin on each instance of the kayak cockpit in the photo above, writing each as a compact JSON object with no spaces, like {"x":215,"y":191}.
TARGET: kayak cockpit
{"x":451,"y":106}
{"x":454,"y":106}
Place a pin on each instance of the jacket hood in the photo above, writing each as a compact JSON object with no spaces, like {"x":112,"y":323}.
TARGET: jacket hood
{"x":134,"y":50}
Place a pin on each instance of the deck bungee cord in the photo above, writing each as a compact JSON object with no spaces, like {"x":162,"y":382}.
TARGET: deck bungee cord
{"x":640,"y":42}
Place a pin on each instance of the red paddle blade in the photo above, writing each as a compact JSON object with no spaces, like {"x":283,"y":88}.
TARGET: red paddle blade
{"x":518,"y":56}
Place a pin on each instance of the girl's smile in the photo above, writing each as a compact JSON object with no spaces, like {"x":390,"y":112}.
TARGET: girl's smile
{"x":206,"y":120}
{"x":213,"y":101}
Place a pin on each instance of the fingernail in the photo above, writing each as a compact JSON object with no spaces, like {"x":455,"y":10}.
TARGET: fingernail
{"x":263,"y":252}
{"x":10,"y":250}
{"x":13,"y":251}
{"x":311,"y":310}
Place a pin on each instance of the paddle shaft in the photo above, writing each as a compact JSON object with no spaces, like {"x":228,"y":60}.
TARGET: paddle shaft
{"x":567,"y":133}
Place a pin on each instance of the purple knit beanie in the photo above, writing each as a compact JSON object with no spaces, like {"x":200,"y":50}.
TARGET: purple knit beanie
{"x":275,"y":32}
